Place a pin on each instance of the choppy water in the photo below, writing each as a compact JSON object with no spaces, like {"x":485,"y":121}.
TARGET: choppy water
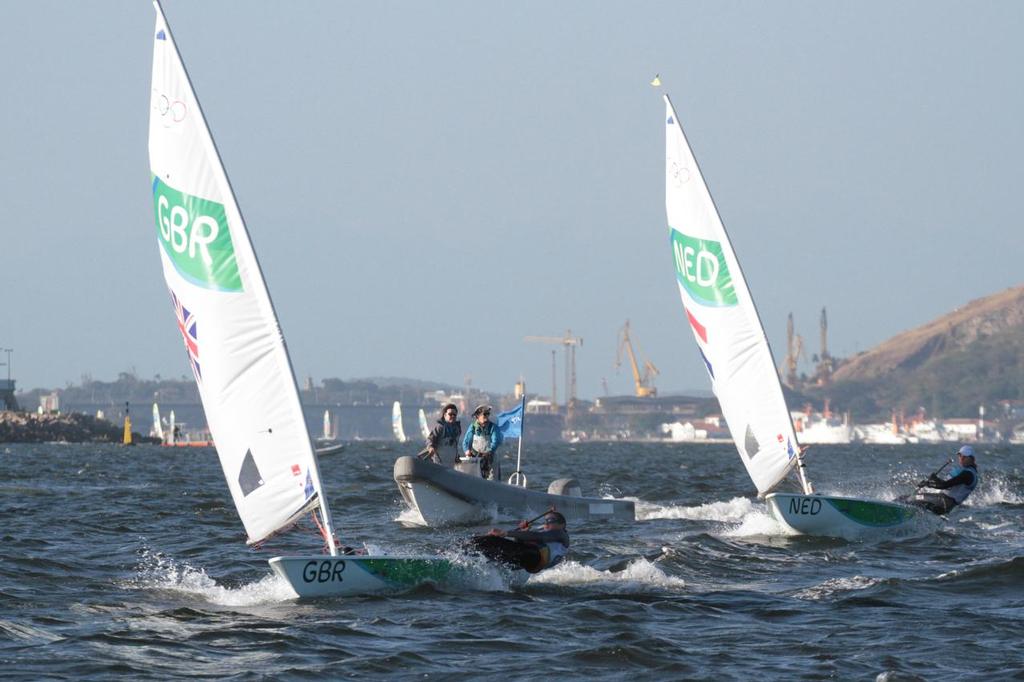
{"x":131,"y":563}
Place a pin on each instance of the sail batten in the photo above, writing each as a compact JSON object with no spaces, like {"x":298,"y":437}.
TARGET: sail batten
{"x":233,"y":341}
{"x":721,"y":313}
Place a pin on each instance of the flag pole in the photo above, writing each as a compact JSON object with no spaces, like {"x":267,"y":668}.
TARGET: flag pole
{"x":522,"y":432}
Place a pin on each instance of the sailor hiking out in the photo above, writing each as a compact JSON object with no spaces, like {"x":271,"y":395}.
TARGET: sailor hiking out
{"x":482,"y":440}
{"x":528,"y":550}
{"x":955,"y":489}
{"x":444,"y":437}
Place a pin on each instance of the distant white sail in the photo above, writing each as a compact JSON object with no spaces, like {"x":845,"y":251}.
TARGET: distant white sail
{"x":327,"y":425}
{"x":158,"y":428}
{"x":725,"y":323}
{"x":171,"y":426}
{"x":424,"y":427}
{"x":232,"y":338}
{"x":396,"y":422}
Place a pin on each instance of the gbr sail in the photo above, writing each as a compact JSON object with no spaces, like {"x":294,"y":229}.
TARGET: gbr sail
{"x":224,"y":314}
{"x":725,"y":323}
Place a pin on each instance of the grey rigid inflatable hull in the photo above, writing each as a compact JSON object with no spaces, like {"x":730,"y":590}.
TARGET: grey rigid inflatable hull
{"x":444,"y":496}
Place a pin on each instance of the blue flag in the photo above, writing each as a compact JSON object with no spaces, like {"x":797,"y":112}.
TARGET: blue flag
{"x":510,"y":424}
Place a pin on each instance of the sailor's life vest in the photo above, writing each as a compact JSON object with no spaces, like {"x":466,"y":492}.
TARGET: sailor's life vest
{"x":482,"y":437}
{"x":556,"y":552}
{"x":960,"y":492}
{"x":481,"y":443}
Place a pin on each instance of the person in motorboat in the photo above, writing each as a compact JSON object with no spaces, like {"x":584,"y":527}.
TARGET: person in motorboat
{"x":955,"y":489}
{"x":528,"y":550}
{"x":445,"y":435}
{"x":481,"y":440}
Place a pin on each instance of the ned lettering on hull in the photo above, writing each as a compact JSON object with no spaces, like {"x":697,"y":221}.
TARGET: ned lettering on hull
{"x":805,"y":506}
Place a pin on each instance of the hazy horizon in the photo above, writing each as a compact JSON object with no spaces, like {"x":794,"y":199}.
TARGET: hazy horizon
{"x":425,"y":185}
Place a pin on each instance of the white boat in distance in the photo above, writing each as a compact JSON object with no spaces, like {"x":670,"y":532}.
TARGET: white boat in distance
{"x":396,"y":423}
{"x":236,"y":350}
{"x":157,"y":430}
{"x":424,"y":427}
{"x":735,"y":351}
{"x":327,"y":443}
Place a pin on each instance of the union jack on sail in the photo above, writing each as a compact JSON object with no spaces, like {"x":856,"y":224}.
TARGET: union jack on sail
{"x":187,"y":326}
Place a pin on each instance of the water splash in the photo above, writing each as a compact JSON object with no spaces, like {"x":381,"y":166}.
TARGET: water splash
{"x":159,"y":572}
{"x":833,"y":586}
{"x":410,"y":517}
{"x":993,"y":491}
{"x":733,"y":510}
{"x":759,"y":522}
{"x":640,"y":574}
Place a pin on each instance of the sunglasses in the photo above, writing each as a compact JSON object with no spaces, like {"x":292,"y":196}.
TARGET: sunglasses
{"x":450,"y":414}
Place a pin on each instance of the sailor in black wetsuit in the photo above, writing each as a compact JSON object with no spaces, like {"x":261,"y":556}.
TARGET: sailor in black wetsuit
{"x":961,"y":483}
{"x":532,"y":551}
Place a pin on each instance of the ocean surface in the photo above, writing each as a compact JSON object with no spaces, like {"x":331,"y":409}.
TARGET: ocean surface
{"x":131,"y":563}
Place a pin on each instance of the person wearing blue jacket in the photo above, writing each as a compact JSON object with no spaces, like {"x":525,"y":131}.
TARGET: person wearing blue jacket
{"x":482,"y":439}
{"x":955,"y":489}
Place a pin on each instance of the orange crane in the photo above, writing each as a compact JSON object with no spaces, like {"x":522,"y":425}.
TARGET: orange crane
{"x":645,"y":382}
{"x":569,"y":342}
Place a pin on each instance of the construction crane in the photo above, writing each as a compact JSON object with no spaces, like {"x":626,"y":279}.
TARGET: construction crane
{"x":794,"y":351}
{"x":644,"y":382}
{"x":569,"y":342}
{"x":825,"y":362}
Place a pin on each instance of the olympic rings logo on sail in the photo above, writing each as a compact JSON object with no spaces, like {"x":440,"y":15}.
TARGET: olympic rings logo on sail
{"x":171,"y":112}
{"x":679,"y":173}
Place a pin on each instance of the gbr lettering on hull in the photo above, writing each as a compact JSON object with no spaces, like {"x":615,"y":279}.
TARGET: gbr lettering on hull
{"x":323,"y":571}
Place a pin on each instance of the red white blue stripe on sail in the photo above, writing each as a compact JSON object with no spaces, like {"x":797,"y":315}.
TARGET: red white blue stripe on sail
{"x":189,"y":328}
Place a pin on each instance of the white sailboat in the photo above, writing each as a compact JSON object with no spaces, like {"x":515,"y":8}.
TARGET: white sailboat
{"x":396,"y":422}
{"x":424,"y":427}
{"x":157,"y":431}
{"x":735,"y":351}
{"x":328,"y":444}
{"x":236,"y":349}
{"x":328,"y":431}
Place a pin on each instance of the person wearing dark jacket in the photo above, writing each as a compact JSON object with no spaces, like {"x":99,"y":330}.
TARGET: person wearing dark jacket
{"x":444,"y":436}
{"x":531,"y":551}
{"x":961,"y":483}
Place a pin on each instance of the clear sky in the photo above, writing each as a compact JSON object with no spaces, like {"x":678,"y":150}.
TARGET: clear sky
{"x":427,"y":183}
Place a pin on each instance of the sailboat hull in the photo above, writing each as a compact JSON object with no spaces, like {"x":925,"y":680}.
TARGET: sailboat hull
{"x":444,"y":497}
{"x":840,"y":517}
{"x":348,"y":576}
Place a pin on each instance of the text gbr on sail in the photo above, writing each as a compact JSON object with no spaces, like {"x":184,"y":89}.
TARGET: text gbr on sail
{"x":195,"y":236}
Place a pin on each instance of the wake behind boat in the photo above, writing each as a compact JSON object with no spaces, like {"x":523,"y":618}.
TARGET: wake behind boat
{"x":735,"y":351}
{"x":236,"y":349}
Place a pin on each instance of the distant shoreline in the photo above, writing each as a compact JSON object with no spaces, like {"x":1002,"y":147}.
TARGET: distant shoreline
{"x":74,"y":427}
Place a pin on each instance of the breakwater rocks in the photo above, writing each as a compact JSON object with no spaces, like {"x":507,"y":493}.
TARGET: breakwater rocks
{"x":75,"y":427}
